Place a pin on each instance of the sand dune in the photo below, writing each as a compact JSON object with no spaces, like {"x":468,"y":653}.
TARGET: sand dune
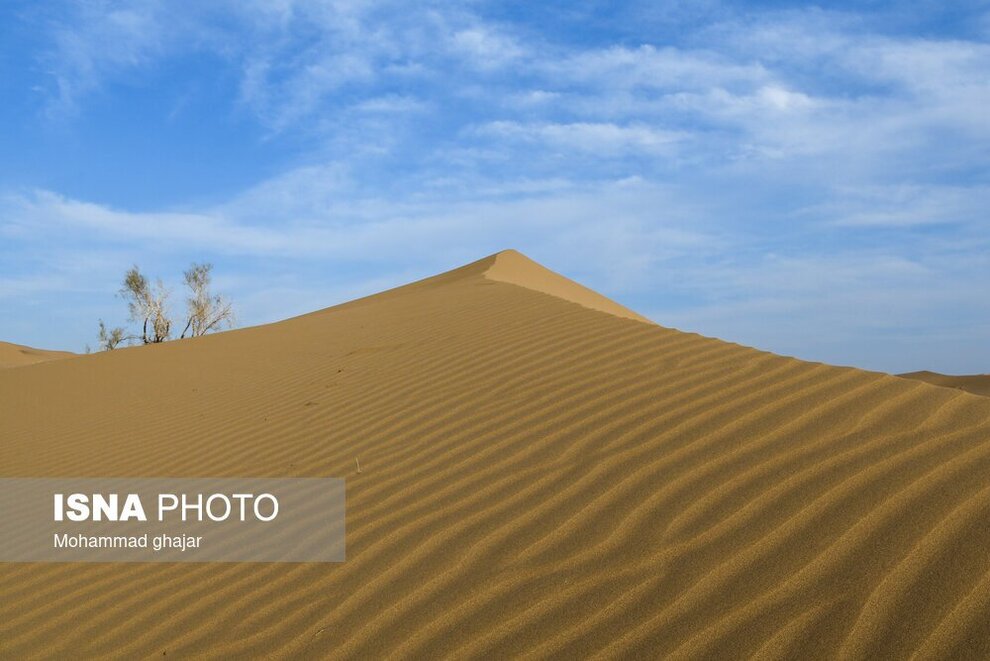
{"x":15,"y":355}
{"x":543,"y":474}
{"x":978,"y":384}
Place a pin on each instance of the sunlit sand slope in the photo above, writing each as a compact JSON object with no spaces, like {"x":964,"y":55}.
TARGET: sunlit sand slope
{"x":15,"y":355}
{"x":538,"y":478}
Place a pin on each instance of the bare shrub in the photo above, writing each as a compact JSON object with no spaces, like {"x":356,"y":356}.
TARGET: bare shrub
{"x":111,"y":338}
{"x":148,"y":306}
{"x":206,"y":312}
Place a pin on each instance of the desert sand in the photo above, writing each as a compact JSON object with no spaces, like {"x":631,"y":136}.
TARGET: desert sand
{"x":15,"y":355}
{"x":978,"y":384}
{"x":543,"y":474}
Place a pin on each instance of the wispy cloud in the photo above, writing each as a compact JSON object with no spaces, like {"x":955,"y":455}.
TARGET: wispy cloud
{"x":100,"y":42}
{"x":908,"y":206}
{"x":601,"y":138}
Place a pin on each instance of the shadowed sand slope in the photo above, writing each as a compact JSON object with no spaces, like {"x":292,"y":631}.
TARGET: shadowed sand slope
{"x":538,"y":478}
{"x":978,"y":384}
{"x":15,"y":355}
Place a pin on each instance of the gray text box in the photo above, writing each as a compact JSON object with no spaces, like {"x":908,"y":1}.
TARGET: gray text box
{"x":226,"y":520}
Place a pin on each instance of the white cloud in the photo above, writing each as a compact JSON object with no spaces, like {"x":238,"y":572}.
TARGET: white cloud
{"x":595,"y":137}
{"x":362,"y":229}
{"x":392,"y":103}
{"x":652,"y":68}
{"x":907,"y":206}
{"x":98,"y":44}
{"x":485,"y":47}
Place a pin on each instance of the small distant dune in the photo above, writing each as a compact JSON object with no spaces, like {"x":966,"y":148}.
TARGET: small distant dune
{"x":978,"y":384}
{"x":15,"y":355}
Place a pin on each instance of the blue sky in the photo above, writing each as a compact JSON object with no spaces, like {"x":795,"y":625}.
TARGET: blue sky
{"x":813,"y":181}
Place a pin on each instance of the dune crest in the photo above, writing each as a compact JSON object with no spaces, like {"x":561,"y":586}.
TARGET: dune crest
{"x":515,"y":268}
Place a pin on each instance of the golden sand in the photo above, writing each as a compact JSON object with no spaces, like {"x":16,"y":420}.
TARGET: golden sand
{"x":15,"y":355}
{"x":542,"y":474}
